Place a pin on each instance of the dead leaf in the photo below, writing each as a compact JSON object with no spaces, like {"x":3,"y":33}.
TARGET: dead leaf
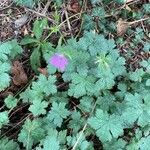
{"x":128,"y":1}
{"x":122,"y":27}
{"x":43,"y":71}
{"x":24,"y":31}
{"x":128,"y":8}
{"x":74,"y":6}
{"x":3,"y":3}
{"x":21,"y":21}
{"x":19,"y":75}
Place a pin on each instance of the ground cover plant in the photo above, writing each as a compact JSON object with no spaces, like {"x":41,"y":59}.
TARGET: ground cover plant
{"x":74,"y":75}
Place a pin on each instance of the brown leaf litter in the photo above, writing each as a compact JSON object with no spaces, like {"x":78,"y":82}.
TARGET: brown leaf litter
{"x":19,"y":75}
{"x":122,"y":26}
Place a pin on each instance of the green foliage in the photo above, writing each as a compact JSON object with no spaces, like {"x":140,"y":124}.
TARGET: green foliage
{"x":57,"y":113}
{"x":4,"y":76}
{"x":7,"y":144}
{"x":146,"y":47}
{"x":96,"y":1}
{"x":38,"y":107}
{"x":35,"y":59}
{"x":77,"y":121}
{"x":137,"y":75}
{"x":58,"y":2}
{"x":4,"y":118}
{"x":51,"y":142}
{"x":5,"y":49}
{"x":31,"y":133}
{"x":107,"y":126}
{"x":8,"y":50}
{"x":16,"y":49}
{"x":38,"y":27}
{"x":27,"y":3}
{"x":97,"y":101}
{"x":137,"y":109}
{"x":10,"y":102}
{"x":91,"y":76}
{"x":83,"y":143}
{"x":81,"y":85}
{"x":42,"y":87}
{"x":37,"y":43}
{"x":146,"y":8}
{"x":115,"y":145}
{"x":146,"y":65}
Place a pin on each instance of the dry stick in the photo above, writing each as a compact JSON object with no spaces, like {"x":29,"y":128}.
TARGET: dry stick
{"x":46,"y":7}
{"x":15,"y":126}
{"x":7,"y":7}
{"x":122,"y":7}
{"x":131,"y":2}
{"x":40,"y":14}
{"x":136,"y":21}
{"x":81,"y":133}
{"x":83,"y":9}
{"x":143,"y":27}
{"x":69,"y":18}
{"x":127,"y":4}
{"x":68,"y":22}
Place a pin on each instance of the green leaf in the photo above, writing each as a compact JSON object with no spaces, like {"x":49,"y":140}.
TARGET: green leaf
{"x":146,"y":47}
{"x":47,"y":85}
{"x":27,"y":3}
{"x":81,"y":85}
{"x":76,"y":122}
{"x":9,"y":50}
{"x":5,"y":67}
{"x":106,"y":102}
{"x":134,"y":144}
{"x":32,"y":132}
{"x":105,"y":82}
{"x":146,"y":65}
{"x":38,"y":27}
{"x":122,"y":90}
{"x":137,"y":109}
{"x":146,"y":8}
{"x":16,"y":49}
{"x":88,"y":23}
{"x":107,"y":126}
{"x":137,"y":75}
{"x":35,"y":59}
{"x":144,"y":143}
{"x":148,"y":82}
{"x":115,"y":145}
{"x":95,"y":1}
{"x":98,"y":12}
{"x":54,"y":140}
{"x":58,"y":2}
{"x":10,"y":102}
{"x":86,"y":104}
{"x":58,"y":113}
{"x":51,"y":141}
{"x":38,"y":107}
{"x":4,"y":76}
{"x":83,"y":144}
{"x":4,"y":118}
{"x":42,"y":87}
{"x":5,"y":49}
{"x":4,"y":81}
{"x":28,"y":40}
{"x":6,"y":144}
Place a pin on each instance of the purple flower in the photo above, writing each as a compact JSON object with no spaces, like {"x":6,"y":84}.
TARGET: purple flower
{"x":59,"y":61}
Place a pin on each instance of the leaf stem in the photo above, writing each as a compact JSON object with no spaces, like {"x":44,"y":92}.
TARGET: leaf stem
{"x":84,"y":128}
